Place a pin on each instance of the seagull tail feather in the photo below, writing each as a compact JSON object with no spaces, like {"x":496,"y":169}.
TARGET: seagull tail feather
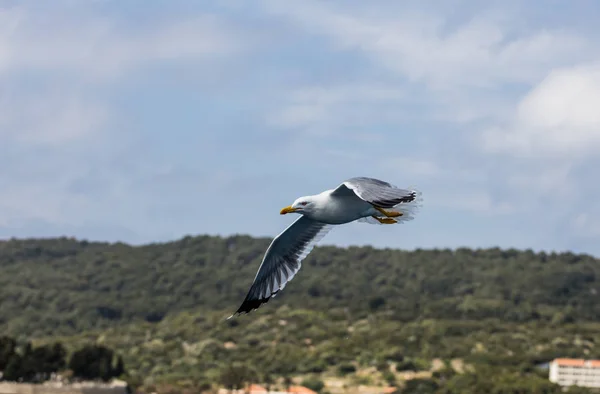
{"x":409,"y":209}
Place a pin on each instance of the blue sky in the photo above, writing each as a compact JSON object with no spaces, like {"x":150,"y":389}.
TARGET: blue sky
{"x":146,"y":121}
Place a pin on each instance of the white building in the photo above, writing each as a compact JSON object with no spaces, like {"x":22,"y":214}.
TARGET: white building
{"x":575,"y":372}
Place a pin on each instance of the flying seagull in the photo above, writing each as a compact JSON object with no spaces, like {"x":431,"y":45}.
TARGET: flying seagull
{"x":362,"y":199}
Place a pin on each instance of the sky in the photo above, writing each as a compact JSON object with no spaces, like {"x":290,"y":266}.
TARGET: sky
{"x":146,"y":121}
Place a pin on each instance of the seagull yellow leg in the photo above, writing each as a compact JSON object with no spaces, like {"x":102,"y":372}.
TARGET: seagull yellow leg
{"x":389,"y":214}
{"x":385,"y":220}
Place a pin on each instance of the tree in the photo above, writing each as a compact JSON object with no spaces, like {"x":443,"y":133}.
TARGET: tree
{"x":7,"y":350}
{"x":120,"y":367}
{"x":235,"y":376}
{"x":47,"y":359}
{"x":94,"y":362}
{"x":13,"y":372}
{"x":33,"y":364}
{"x":22,"y":368}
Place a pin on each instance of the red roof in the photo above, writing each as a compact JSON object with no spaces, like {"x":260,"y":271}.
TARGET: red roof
{"x":300,"y":390}
{"x":577,"y":362}
{"x":256,"y":389}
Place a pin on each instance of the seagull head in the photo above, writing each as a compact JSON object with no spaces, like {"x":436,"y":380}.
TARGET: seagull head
{"x":301,"y":205}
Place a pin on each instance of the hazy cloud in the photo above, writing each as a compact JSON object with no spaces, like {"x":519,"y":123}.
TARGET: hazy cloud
{"x":148,"y":123}
{"x":73,"y":38}
{"x":484,"y":50}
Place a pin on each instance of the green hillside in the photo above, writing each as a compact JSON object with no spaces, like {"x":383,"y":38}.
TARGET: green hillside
{"x":465,"y":320}
{"x":68,"y":286}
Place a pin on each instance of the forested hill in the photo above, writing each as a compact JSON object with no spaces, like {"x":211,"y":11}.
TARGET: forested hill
{"x":62,"y":285}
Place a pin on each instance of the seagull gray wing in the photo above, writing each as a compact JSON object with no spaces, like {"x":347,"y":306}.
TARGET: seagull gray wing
{"x":379,"y":193}
{"x":283,"y":260}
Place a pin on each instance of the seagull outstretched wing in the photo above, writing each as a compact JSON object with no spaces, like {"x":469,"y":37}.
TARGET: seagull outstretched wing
{"x":282,"y":261}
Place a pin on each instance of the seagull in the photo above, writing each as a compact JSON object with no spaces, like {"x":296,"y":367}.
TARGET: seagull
{"x":359,"y":199}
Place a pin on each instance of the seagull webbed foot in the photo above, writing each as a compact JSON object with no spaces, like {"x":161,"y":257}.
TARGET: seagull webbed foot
{"x":385,"y":220}
{"x":389,"y":214}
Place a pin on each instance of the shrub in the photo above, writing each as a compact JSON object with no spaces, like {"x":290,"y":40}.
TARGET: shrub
{"x":346,"y":368}
{"x":314,"y":384}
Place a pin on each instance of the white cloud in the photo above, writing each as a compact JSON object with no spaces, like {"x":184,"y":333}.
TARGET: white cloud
{"x":425,"y":84}
{"x":484,"y":51}
{"x":560,"y":117}
{"x":65,"y":48}
{"x":59,"y":66}
{"x":99,"y":46}
{"x":547,"y":147}
{"x":469,"y":72}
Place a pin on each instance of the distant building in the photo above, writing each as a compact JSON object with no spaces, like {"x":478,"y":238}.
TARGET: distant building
{"x":300,"y":390}
{"x":257,"y":389}
{"x":575,"y":372}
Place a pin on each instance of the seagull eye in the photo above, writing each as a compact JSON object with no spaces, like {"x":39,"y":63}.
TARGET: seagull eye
{"x":303,"y":203}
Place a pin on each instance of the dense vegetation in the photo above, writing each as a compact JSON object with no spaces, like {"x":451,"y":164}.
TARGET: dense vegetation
{"x":363,"y":315}
{"x":65,"y":286}
{"x":25,"y":363}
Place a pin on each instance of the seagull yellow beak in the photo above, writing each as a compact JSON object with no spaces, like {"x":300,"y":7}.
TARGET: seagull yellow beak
{"x":287,"y":210}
